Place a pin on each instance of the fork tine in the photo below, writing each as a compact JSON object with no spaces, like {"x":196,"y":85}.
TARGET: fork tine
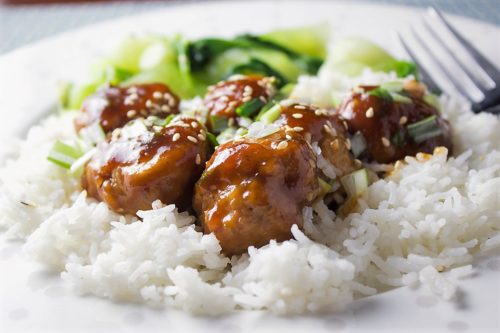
{"x":435,"y":59}
{"x":424,"y":75}
{"x":481,"y":60}
{"x":464,"y":67}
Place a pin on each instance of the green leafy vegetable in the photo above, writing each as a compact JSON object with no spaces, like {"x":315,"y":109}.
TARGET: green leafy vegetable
{"x":256,"y":66}
{"x":351,"y":55}
{"x":424,"y":129}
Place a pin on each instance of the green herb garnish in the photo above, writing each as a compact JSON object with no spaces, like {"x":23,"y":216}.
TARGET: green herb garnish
{"x":381,"y":93}
{"x":424,"y":129}
{"x":249,"y":108}
{"x":218,"y":124}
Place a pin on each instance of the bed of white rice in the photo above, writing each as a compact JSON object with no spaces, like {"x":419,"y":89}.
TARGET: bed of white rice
{"x":431,"y":215}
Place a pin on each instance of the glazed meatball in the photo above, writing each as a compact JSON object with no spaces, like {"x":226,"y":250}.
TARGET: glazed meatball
{"x":394,"y":127}
{"x":320,"y":126}
{"x":254,"y":190}
{"x":141,"y":163}
{"x":112,"y":107}
{"x":224,"y":98}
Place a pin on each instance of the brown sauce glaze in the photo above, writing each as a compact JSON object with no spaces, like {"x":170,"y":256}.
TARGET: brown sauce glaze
{"x":325,"y":128}
{"x":383,"y":123}
{"x":225,"y":97}
{"x":114,"y":106}
{"x":254,"y":190}
{"x":142,"y":163}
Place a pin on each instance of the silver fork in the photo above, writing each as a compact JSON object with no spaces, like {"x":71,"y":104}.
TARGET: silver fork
{"x":490,"y":101}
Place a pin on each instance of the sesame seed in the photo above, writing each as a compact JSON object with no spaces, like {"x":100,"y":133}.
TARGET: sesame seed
{"x":144,"y":113}
{"x":165,"y":108}
{"x":403,"y":120}
{"x":298,"y":129}
{"x":288,"y":137}
{"x":246,"y":99}
{"x":369,"y":113}
{"x":230,"y":122}
{"x":317,"y":112}
{"x":282,"y":145}
{"x":345,"y":125}
{"x":224,"y":98}
{"x":300,"y":107}
{"x":192,"y":139}
{"x":297,"y":115}
{"x":198,"y":159}
{"x":327,"y":128}
{"x":157,"y":128}
{"x":131,"y":113}
{"x":386,"y":142}
{"x":263,"y":99}
{"x":335,"y":144}
{"x":166,"y":96}
{"x":201,"y":137}
{"x":194,"y":124}
{"x":149,"y":103}
{"x":176,"y":137}
{"x":157,"y":95}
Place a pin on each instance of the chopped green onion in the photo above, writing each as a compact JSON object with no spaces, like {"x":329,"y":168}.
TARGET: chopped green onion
{"x":355,"y":183}
{"x":168,"y":120}
{"x":287,"y":89}
{"x":358,"y":144}
{"x":93,"y":133}
{"x":381,"y":93}
{"x":226,"y":135}
{"x":270,"y":115}
{"x":218,"y":124}
{"x":393,"y":86}
{"x":433,"y":100}
{"x":324,"y":187}
{"x":400,"y":98}
{"x":425,"y":129}
{"x":64,"y":154}
{"x":398,"y":139}
{"x":249,"y":108}
{"x":77,"y":166}
{"x":212,"y":139}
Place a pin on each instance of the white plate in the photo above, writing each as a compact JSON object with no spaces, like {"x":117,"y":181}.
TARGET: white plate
{"x":32,"y":300}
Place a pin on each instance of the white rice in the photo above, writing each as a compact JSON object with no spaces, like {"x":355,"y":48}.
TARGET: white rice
{"x":431,"y":215}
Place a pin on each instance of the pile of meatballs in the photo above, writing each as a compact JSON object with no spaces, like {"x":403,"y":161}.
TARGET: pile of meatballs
{"x":249,"y":190}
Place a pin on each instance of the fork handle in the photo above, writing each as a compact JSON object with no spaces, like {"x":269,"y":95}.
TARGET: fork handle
{"x":491,"y":102}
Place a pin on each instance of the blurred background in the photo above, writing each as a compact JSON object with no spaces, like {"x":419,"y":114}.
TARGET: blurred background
{"x":25,"y":21}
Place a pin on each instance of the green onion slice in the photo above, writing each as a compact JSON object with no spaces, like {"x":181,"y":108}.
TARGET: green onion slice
{"x":324,"y":187}
{"x":400,"y":98}
{"x":212,"y":139}
{"x":249,"y":108}
{"x":77,"y":166}
{"x":64,"y":154}
{"x":393,"y":86}
{"x":168,"y":120}
{"x":381,"y":93}
{"x":358,"y":144}
{"x":218,"y":124}
{"x":424,"y":129}
{"x":270,"y":115}
{"x":355,"y":183}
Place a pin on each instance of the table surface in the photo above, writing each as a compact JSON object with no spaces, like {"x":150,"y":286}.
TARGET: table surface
{"x":23,"y":24}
